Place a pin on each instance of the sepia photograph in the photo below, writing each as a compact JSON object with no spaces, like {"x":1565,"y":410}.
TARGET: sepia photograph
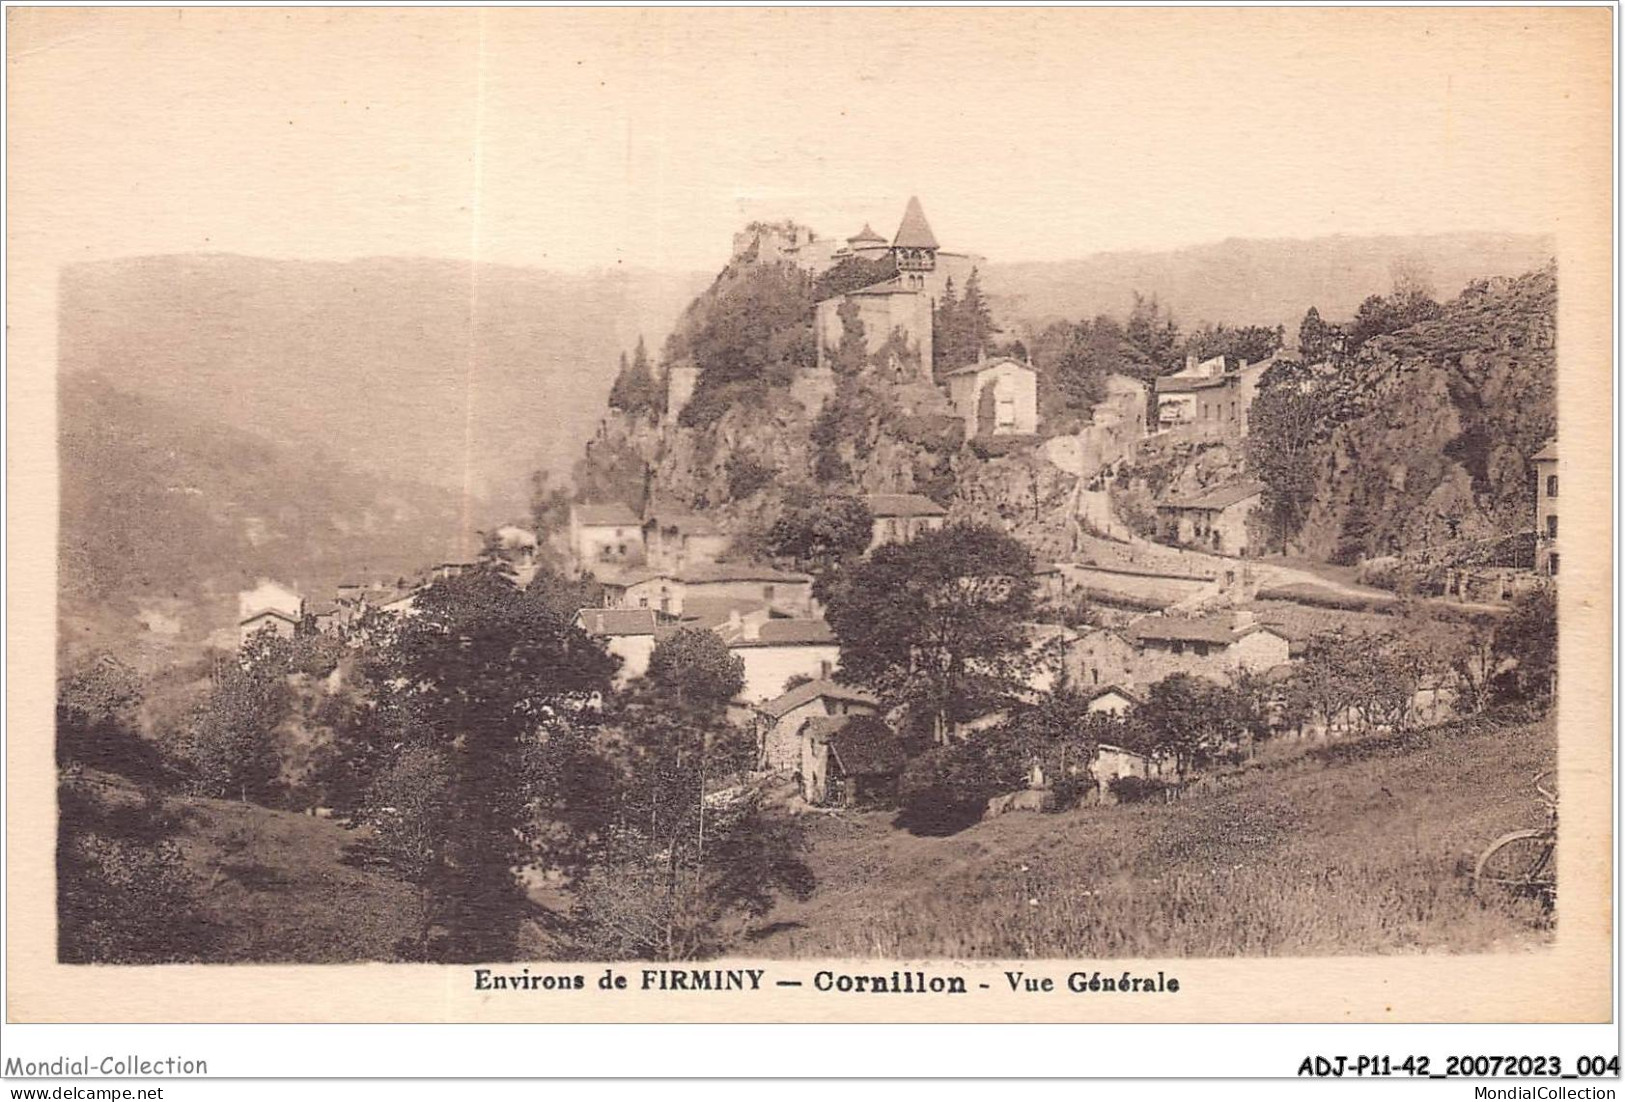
{"x":827,"y":498}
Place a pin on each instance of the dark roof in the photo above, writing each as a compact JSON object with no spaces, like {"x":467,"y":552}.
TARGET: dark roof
{"x":1174,"y":384}
{"x":1549,"y":451}
{"x":865,"y":234}
{"x":264,"y":612}
{"x":987,"y":365}
{"x":708,"y":612}
{"x":1219,"y":498}
{"x":786,"y":633}
{"x":617,"y":621}
{"x":691,"y":524}
{"x":903,"y":505}
{"x":813,"y":690}
{"x":613,"y":513}
{"x":914,"y":232}
{"x":865,"y":748}
{"x":632,"y":575}
{"x":1209,"y":629}
{"x":700,"y":573}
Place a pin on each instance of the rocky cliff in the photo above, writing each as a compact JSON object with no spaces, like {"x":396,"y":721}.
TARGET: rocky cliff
{"x":1436,"y":424}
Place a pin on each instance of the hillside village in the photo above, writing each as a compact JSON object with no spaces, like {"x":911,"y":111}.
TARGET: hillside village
{"x":844,"y":547}
{"x":1194,"y":595}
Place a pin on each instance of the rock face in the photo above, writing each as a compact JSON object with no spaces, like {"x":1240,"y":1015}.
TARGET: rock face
{"x":1441,"y":422}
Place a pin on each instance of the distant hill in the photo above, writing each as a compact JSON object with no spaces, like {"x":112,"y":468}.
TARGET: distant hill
{"x":437,"y":371}
{"x":1254,"y":282}
{"x":166,"y":514}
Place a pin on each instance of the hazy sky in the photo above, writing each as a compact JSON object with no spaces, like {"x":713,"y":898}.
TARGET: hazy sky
{"x":576,"y":139}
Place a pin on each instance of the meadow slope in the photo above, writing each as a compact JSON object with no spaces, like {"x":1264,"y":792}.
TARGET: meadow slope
{"x":1359,"y":849}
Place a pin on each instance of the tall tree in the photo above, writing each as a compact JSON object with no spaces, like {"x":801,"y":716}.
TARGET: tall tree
{"x":824,"y":537}
{"x":497,"y":688}
{"x":635,"y":390}
{"x":1286,"y":421}
{"x":938,"y":623}
{"x":1152,"y":336}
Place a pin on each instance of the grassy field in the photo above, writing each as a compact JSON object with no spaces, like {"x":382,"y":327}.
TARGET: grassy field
{"x":275,"y":886}
{"x":1323,"y":854}
{"x":1347,"y":849}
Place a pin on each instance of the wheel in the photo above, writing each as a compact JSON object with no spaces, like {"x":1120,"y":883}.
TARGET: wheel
{"x":1518,"y":864}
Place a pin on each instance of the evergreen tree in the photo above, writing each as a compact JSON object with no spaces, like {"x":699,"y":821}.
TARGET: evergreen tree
{"x":976,"y":319}
{"x":635,"y":390}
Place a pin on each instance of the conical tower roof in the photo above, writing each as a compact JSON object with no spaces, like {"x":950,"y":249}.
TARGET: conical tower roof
{"x":915,"y":232}
{"x":865,"y":234}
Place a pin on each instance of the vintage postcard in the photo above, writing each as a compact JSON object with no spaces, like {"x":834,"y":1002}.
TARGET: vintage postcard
{"x":810,"y":515}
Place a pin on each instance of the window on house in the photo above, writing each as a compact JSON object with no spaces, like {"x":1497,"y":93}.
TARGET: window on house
{"x":1200,"y":649}
{"x":1551,"y":563}
{"x":1551,"y":485}
{"x":604,"y":552}
{"x":825,"y":667}
{"x":1094,"y":676}
{"x":1551,"y":526}
{"x":1178,"y":646}
{"x":643,"y":602}
{"x":767,"y":593}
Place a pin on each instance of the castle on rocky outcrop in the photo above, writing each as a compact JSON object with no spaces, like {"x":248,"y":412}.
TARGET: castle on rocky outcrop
{"x":896,"y":309}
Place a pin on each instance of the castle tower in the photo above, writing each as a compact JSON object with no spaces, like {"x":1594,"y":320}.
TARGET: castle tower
{"x":868,"y":244}
{"x":915,"y":246}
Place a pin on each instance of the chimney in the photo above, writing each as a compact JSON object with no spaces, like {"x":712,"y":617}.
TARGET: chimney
{"x":753,"y":630}
{"x":1242,"y":618}
{"x":735,"y":622}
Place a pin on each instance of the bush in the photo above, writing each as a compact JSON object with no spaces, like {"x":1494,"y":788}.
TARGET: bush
{"x":124,"y":893}
{"x":1135,"y":790}
{"x":746,"y":476}
{"x":946,"y":789}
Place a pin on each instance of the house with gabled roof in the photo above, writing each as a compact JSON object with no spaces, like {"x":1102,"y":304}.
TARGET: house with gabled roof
{"x":605,"y":534}
{"x":850,"y":761}
{"x":779,"y":721}
{"x":898,"y":518}
{"x":269,"y":606}
{"x":776,"y":650}
{"x":1215,"y":647}
{"x":995,"y":397}
{"x":1214,"y":519}
{"x":1111,"y":700}
{"x":627,"y":633}
{"x":677,"y":538}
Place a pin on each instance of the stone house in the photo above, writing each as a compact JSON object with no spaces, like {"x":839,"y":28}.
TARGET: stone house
{"x":269,"y":605}
{"x":1112,"y":700}
{"x":674,"y":539}
{"x":850,"y":761}
{"x":605,"y":535}
{"x":898,"y":518}
{"x":777,"y":650}
{"x":1214,"y":647}
{"x":779,"y":721}
{"x":1214,"y":520}
{"x":1213,"y":394}
{"x":628,"y":633}
{"x":997,"y":397}
{"x":1100,"y":659}
{"x":671,"y":592}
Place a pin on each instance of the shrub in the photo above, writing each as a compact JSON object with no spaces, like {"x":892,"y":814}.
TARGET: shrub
{"x":746,"y":475}
{"x":1134,"y":790}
